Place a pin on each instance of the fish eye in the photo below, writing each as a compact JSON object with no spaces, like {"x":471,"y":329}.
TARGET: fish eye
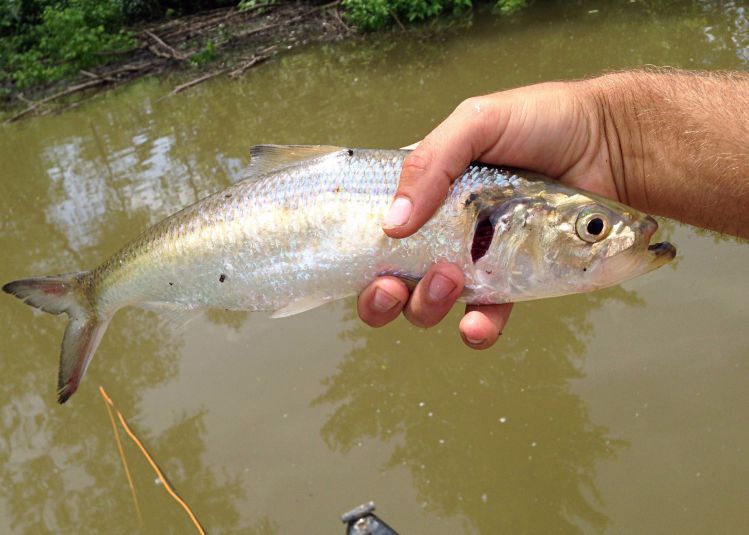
{"x":592,"y":226}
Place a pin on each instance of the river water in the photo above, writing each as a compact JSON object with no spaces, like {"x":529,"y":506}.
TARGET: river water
{"x":622,"y":411}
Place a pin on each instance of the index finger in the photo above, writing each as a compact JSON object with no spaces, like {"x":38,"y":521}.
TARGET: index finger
{"x":438,"y":160}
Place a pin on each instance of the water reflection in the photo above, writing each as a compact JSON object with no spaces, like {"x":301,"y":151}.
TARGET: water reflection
{"x":497,"y":437}
{"x":64,"y":460}
{"x":730,"y":32}
{"x":232,"y":319}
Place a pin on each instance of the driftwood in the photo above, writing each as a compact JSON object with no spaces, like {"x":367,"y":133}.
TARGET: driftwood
{"x":254,"y":60}
{"x":95,"y":76}
{"x":196,"y":81}
{"x":207,"y":19}
{"x":119,"y":75}
{"x":173,"y":53}
{"x":69,"y":91}
{"x":340,"y":21}
{"x":395,"y":17}
{"x":287,"y":21}
{"x":122,"y":52}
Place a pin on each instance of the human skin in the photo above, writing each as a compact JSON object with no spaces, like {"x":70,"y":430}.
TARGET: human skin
{"x":670,"y":143}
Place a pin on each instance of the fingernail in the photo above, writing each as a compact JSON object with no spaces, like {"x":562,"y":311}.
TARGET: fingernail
{"x":383,"y":301}
{"x":440,"y":287}
{"x":475,"y":341}
{"x":399,"y":213}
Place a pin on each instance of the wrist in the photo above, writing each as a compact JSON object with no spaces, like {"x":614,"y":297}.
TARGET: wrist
{"x":676,"y":144}
{"x":615,"y":103}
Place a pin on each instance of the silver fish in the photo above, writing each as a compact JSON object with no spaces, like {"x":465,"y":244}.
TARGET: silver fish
{"x":304,"y":228}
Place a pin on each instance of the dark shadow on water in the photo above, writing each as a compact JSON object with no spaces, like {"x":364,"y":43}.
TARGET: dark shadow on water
{"x":497,"y":437}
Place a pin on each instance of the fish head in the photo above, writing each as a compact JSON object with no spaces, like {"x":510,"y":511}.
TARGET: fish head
{"x":554,"y":240}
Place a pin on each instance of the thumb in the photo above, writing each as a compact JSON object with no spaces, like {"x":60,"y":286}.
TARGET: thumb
{"x":437,"y":161}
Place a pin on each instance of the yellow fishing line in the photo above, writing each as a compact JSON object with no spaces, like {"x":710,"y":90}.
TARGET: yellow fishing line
{"x":108,"y":404}
{"x":153,"y":464}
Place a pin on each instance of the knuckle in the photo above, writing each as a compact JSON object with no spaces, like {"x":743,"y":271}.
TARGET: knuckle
{"x":420,"y":168}
{"x":466,"y":104}
{"x":474,"y":104}
{"x":416,"y":163}
{"x":450,"y":270}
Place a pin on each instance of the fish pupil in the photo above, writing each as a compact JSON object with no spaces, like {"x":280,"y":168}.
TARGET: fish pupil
{"x":595,"y":226}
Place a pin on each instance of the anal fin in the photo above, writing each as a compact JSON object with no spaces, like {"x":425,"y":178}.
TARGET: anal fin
{"x":303,"y":304}
{"x":81,"y":339}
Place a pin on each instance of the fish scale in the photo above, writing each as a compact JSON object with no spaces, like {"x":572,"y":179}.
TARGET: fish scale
{"x":286,"y":234}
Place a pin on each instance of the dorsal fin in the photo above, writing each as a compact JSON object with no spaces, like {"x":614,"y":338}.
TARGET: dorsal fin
{"x":268,"y":158}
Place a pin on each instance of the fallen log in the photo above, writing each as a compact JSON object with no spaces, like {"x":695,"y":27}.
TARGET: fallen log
{"x":69,"y":91}
{"x":196,"y":81}
{"x":172,"y":52}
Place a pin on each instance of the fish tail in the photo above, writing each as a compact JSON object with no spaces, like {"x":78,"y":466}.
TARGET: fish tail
{"x":66,"y":293}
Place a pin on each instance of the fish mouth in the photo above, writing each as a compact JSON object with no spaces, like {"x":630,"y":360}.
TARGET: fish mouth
{"x":660,"y":254}
{"x":663,"y":250}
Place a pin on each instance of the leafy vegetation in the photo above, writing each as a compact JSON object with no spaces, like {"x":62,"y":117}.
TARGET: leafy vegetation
{"x":206,"y":55}
{"x":371,"y":15}
{"x":42,"y":41}
{"x":244,"y":5}
{"x":45,"y":41}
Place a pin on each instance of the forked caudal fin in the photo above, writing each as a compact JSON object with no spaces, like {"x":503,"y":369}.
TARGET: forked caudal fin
{"x":64,"y":293}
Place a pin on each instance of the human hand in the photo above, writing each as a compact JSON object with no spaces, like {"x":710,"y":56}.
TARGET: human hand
{"x":556,"y":129}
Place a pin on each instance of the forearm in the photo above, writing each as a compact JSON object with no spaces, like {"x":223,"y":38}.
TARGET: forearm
{"x":678,"y":144}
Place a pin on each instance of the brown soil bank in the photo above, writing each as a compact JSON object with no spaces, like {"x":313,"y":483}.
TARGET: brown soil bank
{"x":220,"y":42}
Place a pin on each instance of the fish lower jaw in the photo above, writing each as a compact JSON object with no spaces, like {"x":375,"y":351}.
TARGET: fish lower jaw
{"x":663,"y":250}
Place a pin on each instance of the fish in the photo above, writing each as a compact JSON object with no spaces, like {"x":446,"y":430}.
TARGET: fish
{"x":304,"y":228}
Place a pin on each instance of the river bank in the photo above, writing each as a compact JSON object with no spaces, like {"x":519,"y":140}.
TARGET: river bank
{"x":220,"y":42}
{"x":77,"y":55}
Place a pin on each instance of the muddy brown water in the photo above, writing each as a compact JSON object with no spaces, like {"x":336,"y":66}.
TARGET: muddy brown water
{"x":622,"y":411}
